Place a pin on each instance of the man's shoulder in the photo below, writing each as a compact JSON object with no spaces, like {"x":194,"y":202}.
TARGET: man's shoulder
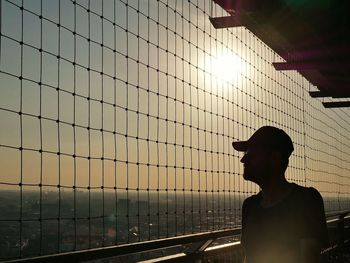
{"x":248,"y":205}
{"x":302,"y":195}
{"x":308,"y":193}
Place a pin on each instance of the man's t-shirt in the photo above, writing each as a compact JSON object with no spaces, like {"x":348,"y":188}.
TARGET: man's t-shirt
{"x":273,"y":234}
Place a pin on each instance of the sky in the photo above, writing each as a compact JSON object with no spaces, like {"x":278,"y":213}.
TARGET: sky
{"x":225,"y":86}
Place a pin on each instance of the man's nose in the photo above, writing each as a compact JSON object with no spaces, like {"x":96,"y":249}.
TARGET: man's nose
{"x":244,"y":158}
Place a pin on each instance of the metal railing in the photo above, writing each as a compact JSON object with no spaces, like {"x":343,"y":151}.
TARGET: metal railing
{"x":200,"y":247}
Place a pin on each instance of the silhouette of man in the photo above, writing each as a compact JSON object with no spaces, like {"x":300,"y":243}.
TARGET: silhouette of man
{"x":284,"y":222}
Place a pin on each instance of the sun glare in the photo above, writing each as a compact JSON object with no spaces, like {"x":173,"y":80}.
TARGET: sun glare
{"x":226,"y":66}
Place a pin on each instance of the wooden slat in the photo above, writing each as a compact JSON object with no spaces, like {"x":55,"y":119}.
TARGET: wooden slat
{"x":336,"y":104}
{"x":309,"y":65}
{"x":319,"y":94}
{"x":225,"y":21}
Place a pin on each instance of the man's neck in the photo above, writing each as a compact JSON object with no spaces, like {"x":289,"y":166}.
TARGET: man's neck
{"x":274,"y":191}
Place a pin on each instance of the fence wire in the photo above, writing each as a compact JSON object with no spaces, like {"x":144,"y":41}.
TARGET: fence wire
{"x":117,"y":119}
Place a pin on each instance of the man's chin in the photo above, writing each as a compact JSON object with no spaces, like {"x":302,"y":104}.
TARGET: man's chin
{"x":252,"y":179}
{"x":248,"y":177}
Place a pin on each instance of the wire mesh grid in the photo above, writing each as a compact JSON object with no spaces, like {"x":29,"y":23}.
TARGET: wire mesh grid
{"x":117,"y":119}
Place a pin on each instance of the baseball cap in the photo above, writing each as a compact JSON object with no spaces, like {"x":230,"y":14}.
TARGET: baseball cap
{"x":268,"y":137}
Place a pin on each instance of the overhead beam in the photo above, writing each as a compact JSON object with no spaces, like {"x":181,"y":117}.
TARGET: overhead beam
{"x":233,"y":6}
{"x":319,"y":94}
{"x":309,"y":65}
{"x":338,"y":96}
{"x":225,"y":22}
{"x":322,"y":94}
{"x":336,"y":104}
{"x":293,"y":66}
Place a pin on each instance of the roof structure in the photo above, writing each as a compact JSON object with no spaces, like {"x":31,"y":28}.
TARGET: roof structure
{"x":312,"y":36}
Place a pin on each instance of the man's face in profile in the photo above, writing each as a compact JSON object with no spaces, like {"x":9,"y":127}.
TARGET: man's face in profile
{"x":257,"y":164}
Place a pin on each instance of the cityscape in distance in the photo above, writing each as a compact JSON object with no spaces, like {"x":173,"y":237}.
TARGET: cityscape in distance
{"x":67,"y":220}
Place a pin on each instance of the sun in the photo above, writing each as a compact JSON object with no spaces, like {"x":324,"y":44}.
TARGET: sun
{"x":227,"y":66}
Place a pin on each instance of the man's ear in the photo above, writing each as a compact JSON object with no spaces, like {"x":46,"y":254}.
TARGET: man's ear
{"x":276,"y":158}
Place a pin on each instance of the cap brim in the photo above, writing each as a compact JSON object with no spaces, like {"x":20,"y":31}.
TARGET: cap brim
{"x":240,"y":145}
